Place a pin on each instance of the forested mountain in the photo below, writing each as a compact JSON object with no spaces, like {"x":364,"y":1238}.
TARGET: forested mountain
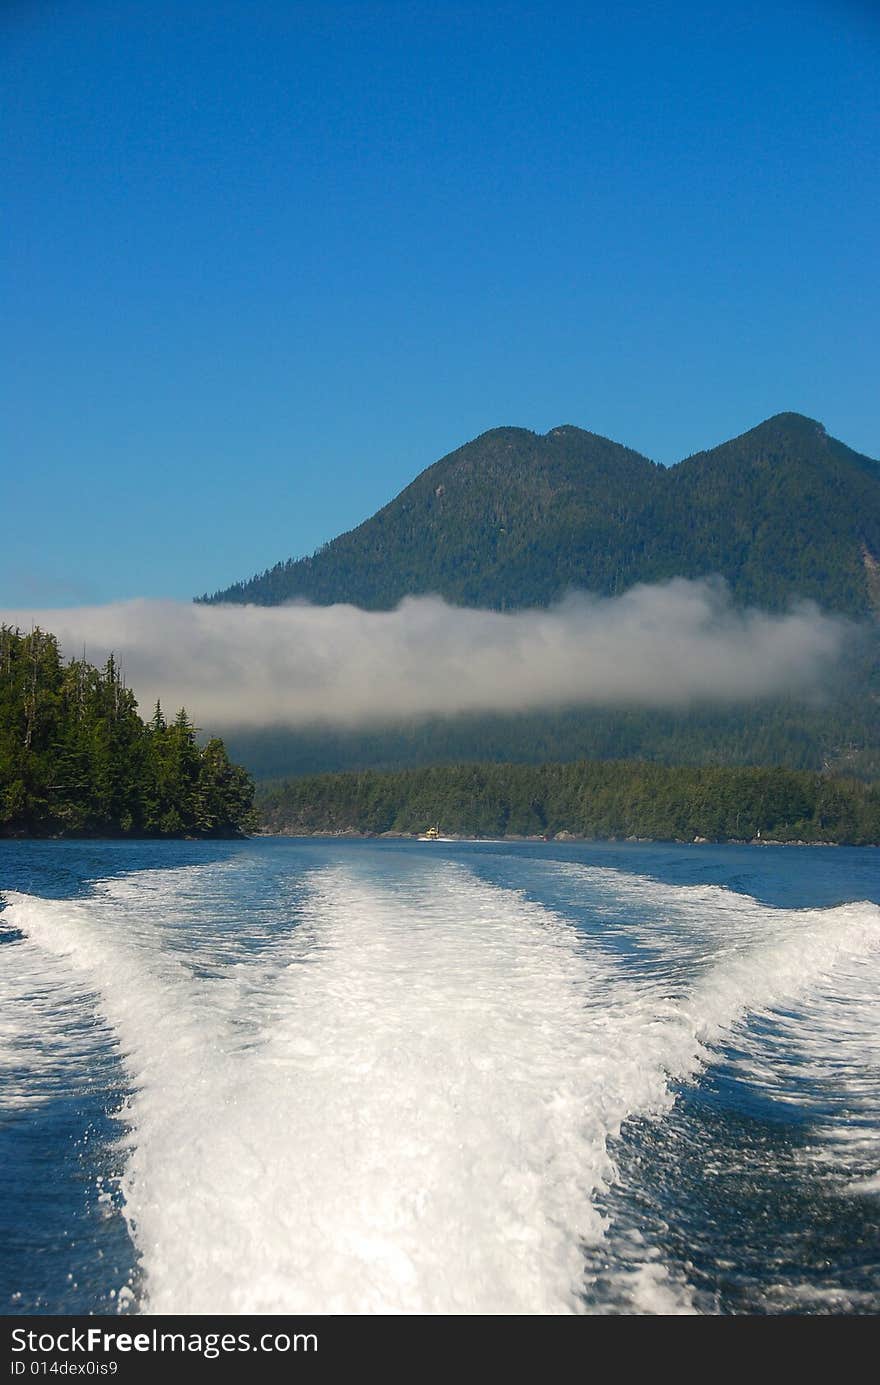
{"x":514,"y":519}
{"x":77,"y":760}
{"x":613,"y":799}
{"x":841,"y":736}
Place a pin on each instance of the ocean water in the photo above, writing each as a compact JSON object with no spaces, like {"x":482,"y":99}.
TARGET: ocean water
{"x":439,"y":1078}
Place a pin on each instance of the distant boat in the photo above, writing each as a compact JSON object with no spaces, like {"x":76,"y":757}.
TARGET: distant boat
{"x":432,"y":834}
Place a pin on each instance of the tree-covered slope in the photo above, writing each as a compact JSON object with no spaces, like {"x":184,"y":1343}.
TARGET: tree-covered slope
{"x":77,"y":760}
{"x":509,"y":519}
{"x":842,"y":736}
{"x":623,"y":799}
{"x":514,"y":519}
{"x":785,"y":510}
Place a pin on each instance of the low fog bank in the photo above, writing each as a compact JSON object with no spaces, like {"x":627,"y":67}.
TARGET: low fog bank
{"x":668,"y":645}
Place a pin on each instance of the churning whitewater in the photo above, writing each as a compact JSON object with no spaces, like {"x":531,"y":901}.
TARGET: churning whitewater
{"x":354,"y":1091}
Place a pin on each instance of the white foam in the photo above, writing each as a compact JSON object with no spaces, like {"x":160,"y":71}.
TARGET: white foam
{"x":821,"y":1052}
{"x":48,"y":1036}
{"x":405,"y":1105}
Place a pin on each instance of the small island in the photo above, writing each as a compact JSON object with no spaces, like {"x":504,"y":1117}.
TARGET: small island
{"x":77,"y":760}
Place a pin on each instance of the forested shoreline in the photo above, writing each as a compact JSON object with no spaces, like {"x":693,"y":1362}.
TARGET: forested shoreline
{"x":589,"y":799}
{"x":77,"y":760}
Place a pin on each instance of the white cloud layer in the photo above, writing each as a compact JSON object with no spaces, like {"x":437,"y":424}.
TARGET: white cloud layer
{"x":247,"y":666}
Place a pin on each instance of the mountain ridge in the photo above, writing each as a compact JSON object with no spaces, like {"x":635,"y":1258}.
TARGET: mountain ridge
{"x":515,"y":518}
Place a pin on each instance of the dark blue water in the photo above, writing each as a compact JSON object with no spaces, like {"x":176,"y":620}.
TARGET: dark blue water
{"x":476,"y":1077}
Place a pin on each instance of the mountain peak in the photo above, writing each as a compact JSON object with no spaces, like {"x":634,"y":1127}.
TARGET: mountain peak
{"x":786,"y":434}
{"x":795,"y":423}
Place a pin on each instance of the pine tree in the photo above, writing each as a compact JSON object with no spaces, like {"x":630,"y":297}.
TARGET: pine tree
{"x":75,"y":756}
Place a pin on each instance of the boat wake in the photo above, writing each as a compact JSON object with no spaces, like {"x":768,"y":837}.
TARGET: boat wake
{"x":402,"y":1095}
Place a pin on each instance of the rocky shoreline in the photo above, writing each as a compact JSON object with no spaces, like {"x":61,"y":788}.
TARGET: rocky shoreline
{"x":354,"y":833}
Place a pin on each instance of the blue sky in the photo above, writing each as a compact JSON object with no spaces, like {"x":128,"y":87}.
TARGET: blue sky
{"x":266,"y":261}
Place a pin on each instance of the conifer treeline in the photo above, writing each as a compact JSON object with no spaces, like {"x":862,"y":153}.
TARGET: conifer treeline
{"x":587,"y":799}
{"x":76,"y":758}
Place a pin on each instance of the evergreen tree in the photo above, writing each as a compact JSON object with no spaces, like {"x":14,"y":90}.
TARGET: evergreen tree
{"x":76,"y":758}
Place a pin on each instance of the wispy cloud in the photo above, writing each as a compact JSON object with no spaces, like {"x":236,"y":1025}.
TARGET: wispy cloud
{"x":663,"y":646}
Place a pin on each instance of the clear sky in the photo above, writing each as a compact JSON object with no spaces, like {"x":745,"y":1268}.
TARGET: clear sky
{"x":266,"y":260}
